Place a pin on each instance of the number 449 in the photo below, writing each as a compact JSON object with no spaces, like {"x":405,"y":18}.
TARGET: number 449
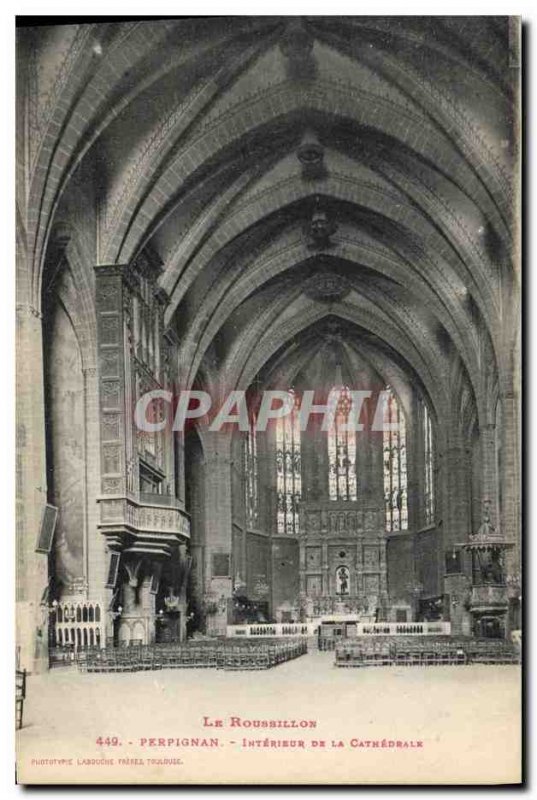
{"x":109,"y":741}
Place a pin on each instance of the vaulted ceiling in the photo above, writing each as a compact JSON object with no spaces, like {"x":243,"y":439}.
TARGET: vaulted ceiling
{"x":356,"y":172}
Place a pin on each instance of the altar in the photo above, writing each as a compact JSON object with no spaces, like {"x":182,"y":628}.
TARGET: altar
{"x":342,"y":560}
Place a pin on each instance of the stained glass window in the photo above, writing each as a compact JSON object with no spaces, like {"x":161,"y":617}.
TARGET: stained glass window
{"x":428,"y":466}
{"x":250,"y":476}
{"x":288,"y":472}
{"x":395,"y":467}
{"x":341,"y":449}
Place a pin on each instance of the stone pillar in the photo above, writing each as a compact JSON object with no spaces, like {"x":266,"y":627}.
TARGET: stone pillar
{"x":415,"y":466}
{"x":218,"y":530}
{"x":383,"y":569}
{"x":456,"y":512}
{"x":147,"y":609}
{"x":458,"y":586}
{"x":302,"y":565}
{"x":510,"y":477}
{"x":137,"y":620}
{"x":510,"y":522}
{"x":96,"y":557}
{"x":179,"y":465}
{"x":31,"y":491}
{"x":184,"y":570}
{"x":456,"y":526}
{"x":489,"y":489}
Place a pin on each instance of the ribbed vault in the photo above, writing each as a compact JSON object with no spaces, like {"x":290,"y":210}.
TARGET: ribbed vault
{"x":202,"y":156}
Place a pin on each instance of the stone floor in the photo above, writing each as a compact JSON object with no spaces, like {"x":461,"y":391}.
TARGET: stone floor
{"x":466,"y":719}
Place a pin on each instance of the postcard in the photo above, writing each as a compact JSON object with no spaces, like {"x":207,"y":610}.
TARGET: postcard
{"x":268,"y":400}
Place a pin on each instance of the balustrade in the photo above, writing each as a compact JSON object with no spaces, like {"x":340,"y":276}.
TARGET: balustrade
{"x":361,"y":629}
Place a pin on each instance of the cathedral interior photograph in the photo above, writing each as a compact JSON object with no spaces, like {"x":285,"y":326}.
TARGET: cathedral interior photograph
{"x":268,"y":336}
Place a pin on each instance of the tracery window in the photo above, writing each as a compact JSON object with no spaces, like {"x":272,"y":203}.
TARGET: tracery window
{"x":428,"y":456}
{"x":250,"y":476}
{"x":395,"y":465}
{"x":288,"y":472}
{"x":341,"y":449}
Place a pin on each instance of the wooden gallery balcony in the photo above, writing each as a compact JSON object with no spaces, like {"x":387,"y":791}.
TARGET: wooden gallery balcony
{"x":151,"y":525}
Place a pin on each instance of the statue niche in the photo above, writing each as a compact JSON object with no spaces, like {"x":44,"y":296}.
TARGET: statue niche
{"x":342,"y":581}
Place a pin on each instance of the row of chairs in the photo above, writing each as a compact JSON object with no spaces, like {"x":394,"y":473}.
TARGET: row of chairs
{"x":421,"y":651}
{"x":218,"y":654}
{"x":375,"y":653}
{"x":262,"y":656}
{"x":131,"y":660}
{"x":331,"y":642}
{"x":425,"y":653}
{"x":489,"y":651}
